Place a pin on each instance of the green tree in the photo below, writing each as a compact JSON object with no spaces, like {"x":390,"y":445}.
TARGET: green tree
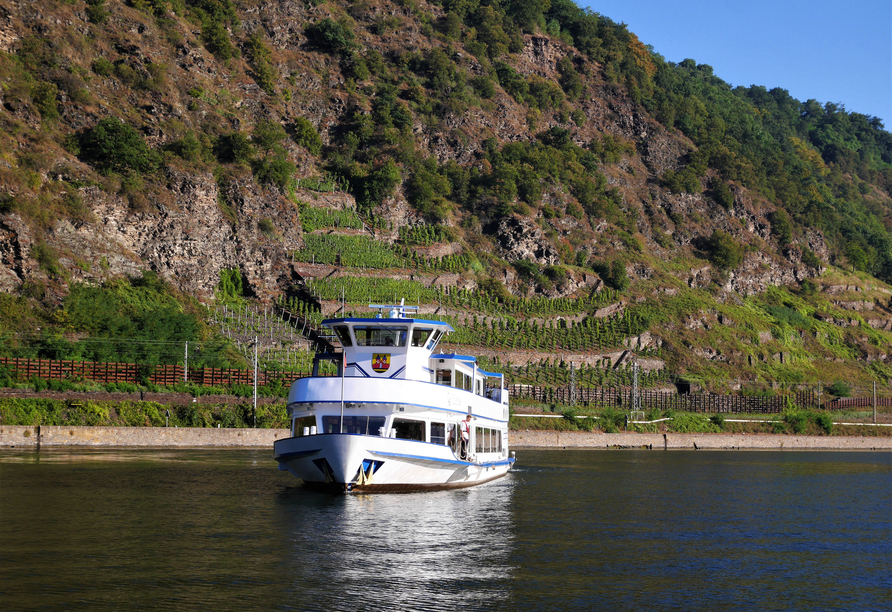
{"x":617,"y":277}
{"x":275,"y":170}
{"x":570,"y":80}
{"x":857,"y":256}
{"x":273,"y":167}
{"x":452,"y":26}
{"x":782,"y":226}
{"x":267,"y":137}
{"x":96,"y":11}
{"x":380,"y":183}
{"x":527,"y":13}
{"x":43,"y":95}
{"x":722,"y":193}
{"x":723,"y":250}
{"x":234,"y":147}
{"x":491,"y":33}
{"x":216,"y":39}
{"x":188,"y":147}
{"x":112,"y":146}
{"x":305,"y":135}
{"x":331,"y":35}
{"x":261,"y":62}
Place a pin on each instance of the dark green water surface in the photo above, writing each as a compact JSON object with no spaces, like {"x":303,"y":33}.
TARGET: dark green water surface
{"x":567,"y":530}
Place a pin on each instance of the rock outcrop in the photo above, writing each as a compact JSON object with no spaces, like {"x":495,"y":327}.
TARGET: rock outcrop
{"x":520,"y":239}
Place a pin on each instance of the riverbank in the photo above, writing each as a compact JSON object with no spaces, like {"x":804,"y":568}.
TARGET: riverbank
{"x":698,"y":441}
{"x":45,"y":436}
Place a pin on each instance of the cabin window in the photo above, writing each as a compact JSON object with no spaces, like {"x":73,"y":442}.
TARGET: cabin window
{"x":444,"y":377}
{"x":463,"y":381}
{"x":298,"y":424}
{"x":438,"y":433}
{"x":409,"y":430}
{"x":363,"y":425}
{"x":367,"y":335}
{"x":434,"y":339}
{"x":343,"y":334}
{"x":479,"y":390}
{"x":420,"y":336}
{"x":487,"y":440}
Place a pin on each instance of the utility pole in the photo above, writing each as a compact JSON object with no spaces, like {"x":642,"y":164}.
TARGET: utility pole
{"x":256,"y":367}
{"x":572,"y":385}
{"x":186,"y":367}
{"x":874,"y":401}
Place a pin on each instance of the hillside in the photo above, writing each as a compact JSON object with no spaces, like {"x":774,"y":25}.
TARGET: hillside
{"x":528,"y":170}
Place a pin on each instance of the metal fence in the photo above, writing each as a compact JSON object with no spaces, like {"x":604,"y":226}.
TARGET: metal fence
{"x":622,"y":398}
{"x":50,"y":369}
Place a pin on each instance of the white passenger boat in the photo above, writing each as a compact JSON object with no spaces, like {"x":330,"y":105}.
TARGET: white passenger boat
{"x":393,"y":417}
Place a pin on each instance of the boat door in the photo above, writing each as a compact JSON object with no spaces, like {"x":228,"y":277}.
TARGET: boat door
{"x":453,"y":437}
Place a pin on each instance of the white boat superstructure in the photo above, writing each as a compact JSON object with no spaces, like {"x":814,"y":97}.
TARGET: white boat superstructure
{"x":397,"y":416}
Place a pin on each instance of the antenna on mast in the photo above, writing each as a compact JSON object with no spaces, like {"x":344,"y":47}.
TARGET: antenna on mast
{"x":394,"y":311}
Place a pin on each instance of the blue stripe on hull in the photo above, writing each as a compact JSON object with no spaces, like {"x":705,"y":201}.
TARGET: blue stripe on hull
{"x":444,"y":461}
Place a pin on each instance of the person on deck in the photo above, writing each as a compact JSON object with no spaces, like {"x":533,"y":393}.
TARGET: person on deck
{"x":465,"y":436}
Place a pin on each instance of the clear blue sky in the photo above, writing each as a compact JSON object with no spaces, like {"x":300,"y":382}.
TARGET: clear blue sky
{"x":837,"y":52}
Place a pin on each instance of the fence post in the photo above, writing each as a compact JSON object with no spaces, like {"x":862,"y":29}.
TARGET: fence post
{"x":874,"y":401}
{"x":255,"y":381}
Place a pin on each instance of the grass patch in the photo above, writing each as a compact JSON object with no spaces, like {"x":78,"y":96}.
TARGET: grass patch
{"x":32,"y":412}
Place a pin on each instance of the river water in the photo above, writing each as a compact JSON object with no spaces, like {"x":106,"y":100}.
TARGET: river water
{"x":566,"y":530}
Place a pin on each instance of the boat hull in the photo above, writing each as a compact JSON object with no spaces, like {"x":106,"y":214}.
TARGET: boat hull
{"x":360,"y":463}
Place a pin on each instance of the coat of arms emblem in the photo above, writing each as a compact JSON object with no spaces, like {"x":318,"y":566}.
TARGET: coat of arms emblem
{"x":380,"y":362}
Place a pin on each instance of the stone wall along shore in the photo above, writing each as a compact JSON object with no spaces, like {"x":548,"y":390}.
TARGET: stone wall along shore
{"x":677,"y":441}
{"x":182,"y":437}
{"x":17,"y":436}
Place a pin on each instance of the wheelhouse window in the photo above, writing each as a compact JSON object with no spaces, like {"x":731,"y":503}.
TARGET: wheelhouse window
{"x":444,"y":377}
{"x":408,"y":429}
{"x":434,"y":339}
{"x":343,"y":334}
{"x":420,"y":336}
{"x":367,"y":335}
{"x":363,"y":425}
